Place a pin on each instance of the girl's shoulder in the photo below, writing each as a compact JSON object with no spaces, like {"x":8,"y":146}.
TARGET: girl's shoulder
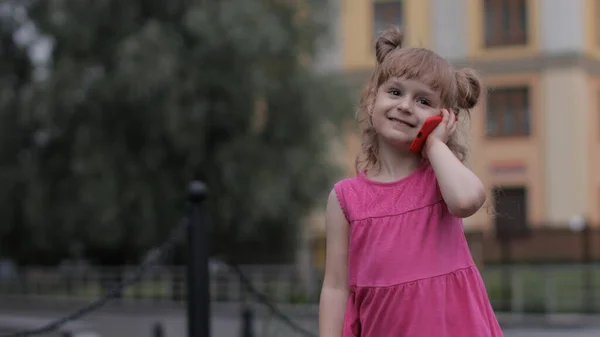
{"x":348,"y":184}
{"x":348,"y":193}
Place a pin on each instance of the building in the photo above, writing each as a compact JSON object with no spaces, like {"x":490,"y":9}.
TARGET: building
{"x":535,"y":137}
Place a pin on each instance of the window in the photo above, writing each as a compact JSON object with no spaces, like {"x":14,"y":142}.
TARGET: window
{"x":508,"y":112}
{"x":597,"y":20}
{"x":387,"y":13}
{"x":510,"y":206}
{"x":505,"y":22}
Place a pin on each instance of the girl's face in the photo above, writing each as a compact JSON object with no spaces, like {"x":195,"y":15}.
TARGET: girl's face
{"x":401,"y":107}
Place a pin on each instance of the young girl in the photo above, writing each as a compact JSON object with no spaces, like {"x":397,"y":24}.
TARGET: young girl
{"x":397,"y":262}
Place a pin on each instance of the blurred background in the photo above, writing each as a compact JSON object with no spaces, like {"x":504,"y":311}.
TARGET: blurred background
{"x":109,"y":108}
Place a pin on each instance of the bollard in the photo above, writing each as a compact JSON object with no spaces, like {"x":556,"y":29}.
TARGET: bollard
{"x":588,"y":272}
{"x":247,"y":322}
{"x":158,"y":330}
{"x":197,"y":261}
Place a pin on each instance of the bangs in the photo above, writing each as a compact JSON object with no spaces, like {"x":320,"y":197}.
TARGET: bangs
{"x":422,"y":65}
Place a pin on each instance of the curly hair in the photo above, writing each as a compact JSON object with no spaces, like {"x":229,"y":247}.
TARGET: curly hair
{"x":459,"y":90}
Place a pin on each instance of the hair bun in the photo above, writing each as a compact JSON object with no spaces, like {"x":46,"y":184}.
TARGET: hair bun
{"x":469,"y":88}
{"x":390,"y":39}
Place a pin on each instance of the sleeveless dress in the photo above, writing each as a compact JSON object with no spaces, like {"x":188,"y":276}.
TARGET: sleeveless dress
{"x":410,"y":270}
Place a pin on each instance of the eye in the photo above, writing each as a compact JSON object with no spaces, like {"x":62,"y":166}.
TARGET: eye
{"x":424,"y":102}
{"x":395,"y":92}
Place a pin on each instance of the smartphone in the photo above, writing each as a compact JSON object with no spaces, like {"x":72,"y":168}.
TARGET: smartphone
{"x":430,"y":124}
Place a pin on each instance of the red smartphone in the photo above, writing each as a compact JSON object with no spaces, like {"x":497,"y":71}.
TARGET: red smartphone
{"x":430,"y":124}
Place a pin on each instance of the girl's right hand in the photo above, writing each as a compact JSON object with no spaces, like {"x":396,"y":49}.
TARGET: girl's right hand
{"x":446,"y":128}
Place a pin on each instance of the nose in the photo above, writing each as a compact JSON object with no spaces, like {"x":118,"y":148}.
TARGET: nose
{"x":405,"y":104}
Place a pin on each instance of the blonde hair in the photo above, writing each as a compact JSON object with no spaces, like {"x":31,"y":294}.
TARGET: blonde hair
{"x":459,"y":90}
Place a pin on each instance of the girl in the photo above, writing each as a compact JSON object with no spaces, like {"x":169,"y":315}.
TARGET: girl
{"x":397,"y":262}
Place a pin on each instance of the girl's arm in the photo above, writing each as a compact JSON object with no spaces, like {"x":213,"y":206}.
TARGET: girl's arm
{"x":461,"y":189}
{"x":334,"y":294}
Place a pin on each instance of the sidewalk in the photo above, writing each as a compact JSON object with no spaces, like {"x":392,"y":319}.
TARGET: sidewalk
{"x":555,"y":320}
{"x":14,"y":323}
{"x":138,"y":319}
{"x":105,"y":324}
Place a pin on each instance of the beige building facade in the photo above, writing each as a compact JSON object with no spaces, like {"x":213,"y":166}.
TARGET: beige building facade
{"x":535,"y":136}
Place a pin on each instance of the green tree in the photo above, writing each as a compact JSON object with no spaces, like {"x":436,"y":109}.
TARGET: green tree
{"x":15,"y":73}
{"x":143,"y":96}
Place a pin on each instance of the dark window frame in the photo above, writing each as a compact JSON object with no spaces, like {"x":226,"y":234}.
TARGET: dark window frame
{"x":508,"y":111}
{"x":505,"y":23}
{"x":597,"y":21}
{"x":388,"y":13}
{"x":511,"y":206}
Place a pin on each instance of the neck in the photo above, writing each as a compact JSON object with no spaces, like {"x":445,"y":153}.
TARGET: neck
{"x":395,"y":163}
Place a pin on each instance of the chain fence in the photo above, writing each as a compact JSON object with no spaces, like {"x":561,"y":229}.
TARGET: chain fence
{"x":40,"y":284}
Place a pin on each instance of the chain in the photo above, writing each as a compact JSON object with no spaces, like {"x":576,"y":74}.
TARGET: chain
{"x":264,"y":299}
{"x":116,"y":291}
{"x":160,"y":253}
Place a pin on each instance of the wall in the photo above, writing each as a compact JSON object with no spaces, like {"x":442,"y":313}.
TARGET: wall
{"x":357,"y":28}
{"x":565,"y":99}
{"x":449,"y":32}
{"x":561,"y":28}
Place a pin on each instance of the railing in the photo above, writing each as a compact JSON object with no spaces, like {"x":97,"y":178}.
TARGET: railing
{"x":548,"y":289}
{"x":165,"y":284}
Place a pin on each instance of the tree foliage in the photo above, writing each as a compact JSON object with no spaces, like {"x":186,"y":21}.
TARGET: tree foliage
{"x":138,"y":98}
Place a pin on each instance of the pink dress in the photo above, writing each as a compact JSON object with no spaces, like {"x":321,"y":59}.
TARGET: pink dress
{"x":410,"y":270}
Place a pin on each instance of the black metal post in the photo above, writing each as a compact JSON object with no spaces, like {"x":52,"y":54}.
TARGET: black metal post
{"x":588,"y":287}
{"x":198,"y":277}
{"x":158,"y":330}
{"x":247,"y":322}
{"x":506,"y":258}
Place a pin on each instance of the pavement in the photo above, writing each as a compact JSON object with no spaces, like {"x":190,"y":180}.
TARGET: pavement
{"x":106,"y":325}
{"x":555,"y":332}
{"x":141,"y":320}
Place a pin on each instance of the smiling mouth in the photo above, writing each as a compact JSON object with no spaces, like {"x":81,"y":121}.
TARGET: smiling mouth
{"x":396,"y":120}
